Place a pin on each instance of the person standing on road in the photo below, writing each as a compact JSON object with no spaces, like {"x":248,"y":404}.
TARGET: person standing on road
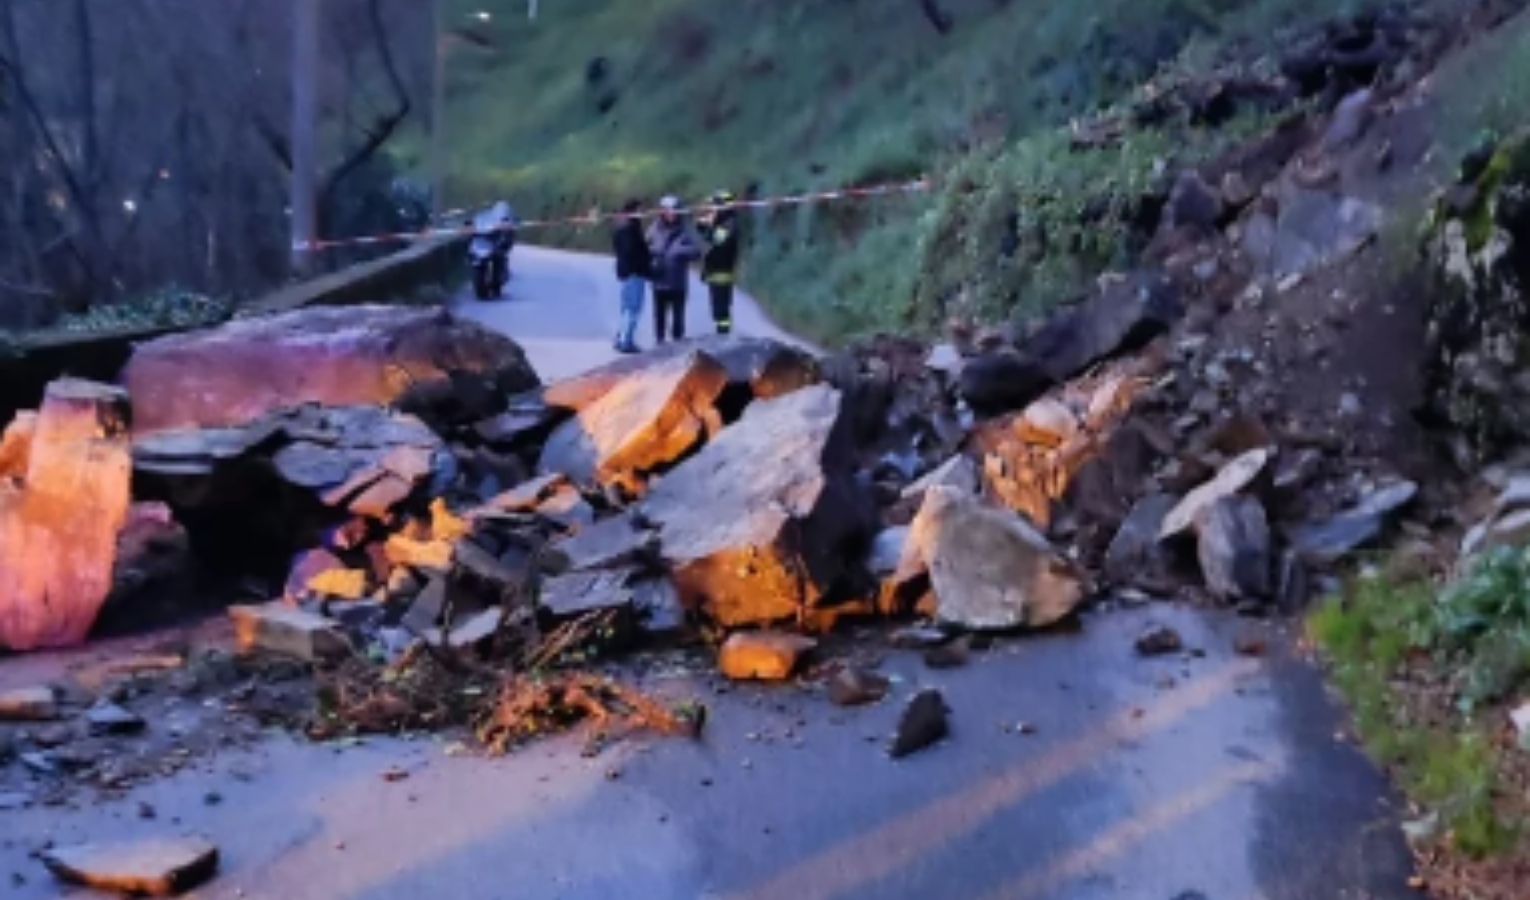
{"x":634,"y":266}
{"x":719,"y":268}
{"x":674,"y":248}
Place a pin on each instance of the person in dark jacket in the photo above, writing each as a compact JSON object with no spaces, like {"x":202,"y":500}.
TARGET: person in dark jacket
{"x":674,"y":247}
{"x":719,"y":268}
{"x":634,"y":265}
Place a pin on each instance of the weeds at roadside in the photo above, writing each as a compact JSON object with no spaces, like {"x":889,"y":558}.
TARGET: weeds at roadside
{"x":1424,"y":671}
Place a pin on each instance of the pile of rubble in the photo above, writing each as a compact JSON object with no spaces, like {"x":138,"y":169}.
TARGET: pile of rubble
{"x":412,"y":495}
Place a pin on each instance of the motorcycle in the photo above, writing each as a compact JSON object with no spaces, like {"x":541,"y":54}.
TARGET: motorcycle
{"x":489,"y":251}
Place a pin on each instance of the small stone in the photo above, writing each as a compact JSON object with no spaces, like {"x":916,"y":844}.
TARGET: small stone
{"x":41,"y":763}
{"x":109,"y":718}
{"x":212,"y":798}
{"x":1159,"y":640}
{"x":953,"y":655}
{"x":924,"y":722}
{"x":762,"y":655}
{"x":853,"y":686}
{"x":145,"y":811}
{"x":282,"y":630}
{"x":34,"y":704}
{"x":157,"y":867}
{"x":340,"y":584}
{"x":53,"y":736}
{"x":918,"y":638}
{"x":1250,"y":645}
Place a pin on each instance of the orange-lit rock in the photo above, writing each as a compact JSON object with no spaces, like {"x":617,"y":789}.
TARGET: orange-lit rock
{"x":762,"y":655}
{"x":286,"y":631}
{"x":989,"y":569}
{"x":359,"y":355}
{"x":760,"y":524}
{"x":59,"y":527}
{"x":16,"y":445}
{"x":1029,"y":460}
{"x":760,"y":367}
{"x":646,"y":421}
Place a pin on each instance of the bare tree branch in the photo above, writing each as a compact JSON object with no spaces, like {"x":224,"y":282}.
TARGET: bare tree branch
{"x":387,"y":124}
{"x":40,"y":124}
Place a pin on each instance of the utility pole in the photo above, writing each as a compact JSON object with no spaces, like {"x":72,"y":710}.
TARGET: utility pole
{"x":438,"y":113}
{"x":305,"y":129}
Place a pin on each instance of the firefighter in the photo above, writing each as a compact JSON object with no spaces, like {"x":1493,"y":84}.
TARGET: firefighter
{"x":719,"y":267}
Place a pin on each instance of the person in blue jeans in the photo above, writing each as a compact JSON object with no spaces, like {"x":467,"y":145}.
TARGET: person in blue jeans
{"x":634,"y":266}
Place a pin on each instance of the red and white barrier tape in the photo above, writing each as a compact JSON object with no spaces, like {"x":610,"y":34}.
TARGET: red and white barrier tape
{"x":853,"y":193}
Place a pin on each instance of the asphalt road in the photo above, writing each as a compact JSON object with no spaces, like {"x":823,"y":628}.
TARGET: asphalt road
{"x":564,"y":308}
{"x":1206,"y":775}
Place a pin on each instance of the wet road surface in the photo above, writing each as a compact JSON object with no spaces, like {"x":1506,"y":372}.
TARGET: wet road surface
{"x":1190,"y":777}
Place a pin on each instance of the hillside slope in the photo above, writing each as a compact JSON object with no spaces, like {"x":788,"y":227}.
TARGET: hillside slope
{"x":597,"y":100}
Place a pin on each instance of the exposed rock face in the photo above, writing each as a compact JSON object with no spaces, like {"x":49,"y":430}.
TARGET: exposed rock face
{"x":1314,"y":227}
{"x":59,"y":528}
{"x":990,"y":571}
{"x":238,"y":372}
{"x":646,"y":421}
{"x":760,"y":524}
{"x":1480,"y":317}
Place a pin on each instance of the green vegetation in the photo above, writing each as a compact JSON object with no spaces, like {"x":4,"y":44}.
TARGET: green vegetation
{"x":1424,"y":672}
{"x":598,"y":100}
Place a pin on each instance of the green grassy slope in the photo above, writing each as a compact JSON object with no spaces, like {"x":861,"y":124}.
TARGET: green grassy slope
{"x":787,"y":95}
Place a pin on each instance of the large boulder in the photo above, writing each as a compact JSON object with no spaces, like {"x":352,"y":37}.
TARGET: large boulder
{"x":59,"y":527}
{"x":234,"y":374}
{"x":1124,"y":316}
{"x":649,"y":420}
{"x":757,"y":368}
{"x":988,"y":568}
{"x":763,"y":522}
